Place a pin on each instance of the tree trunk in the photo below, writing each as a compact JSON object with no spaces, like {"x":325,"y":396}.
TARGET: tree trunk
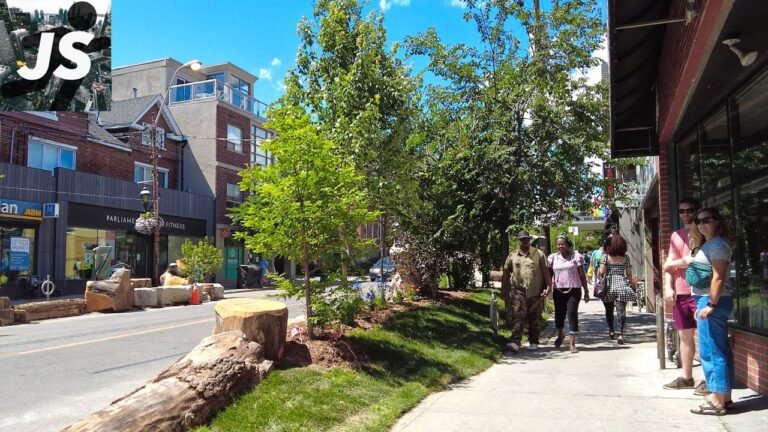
{"x":505,"y":284}
{"x":189,"y":393}
{"x":262,"y":321}
{"x":307,"y":291}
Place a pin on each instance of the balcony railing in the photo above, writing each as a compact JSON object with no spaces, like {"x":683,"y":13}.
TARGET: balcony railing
{"x":214,"y":89}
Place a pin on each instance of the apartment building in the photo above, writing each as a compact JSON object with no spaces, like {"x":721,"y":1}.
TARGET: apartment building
{"x":223,"y":124}
{"x":69,"y":186}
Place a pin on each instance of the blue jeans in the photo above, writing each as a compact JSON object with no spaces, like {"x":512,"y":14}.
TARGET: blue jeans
{"x":714,"y":348}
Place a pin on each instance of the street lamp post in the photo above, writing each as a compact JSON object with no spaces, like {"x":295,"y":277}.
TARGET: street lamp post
{"x":194,"y":65}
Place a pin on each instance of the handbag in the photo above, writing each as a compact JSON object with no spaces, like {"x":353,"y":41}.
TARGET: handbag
{"x":698,"y":275}
{"x":601,"y":287}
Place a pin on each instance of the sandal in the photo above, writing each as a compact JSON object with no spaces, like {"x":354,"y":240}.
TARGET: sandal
{"x":620,"y":340}
{"x":574,"y":350}
{"x":612,"y":334}
{"x":708,"y":408}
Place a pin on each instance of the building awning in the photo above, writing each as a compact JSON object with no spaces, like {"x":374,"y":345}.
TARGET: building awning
{"x":634,"y":59}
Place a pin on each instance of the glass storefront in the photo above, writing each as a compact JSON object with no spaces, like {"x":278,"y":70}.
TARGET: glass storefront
{"x":14,"y":269}
{"x":725,"y":163}
{"x":125,"y":250}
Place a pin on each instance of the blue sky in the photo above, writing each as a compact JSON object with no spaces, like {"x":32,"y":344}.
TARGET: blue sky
{"x":257,"y":35}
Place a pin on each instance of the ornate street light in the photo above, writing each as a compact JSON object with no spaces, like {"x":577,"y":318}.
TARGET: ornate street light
{"x":193,"y":65}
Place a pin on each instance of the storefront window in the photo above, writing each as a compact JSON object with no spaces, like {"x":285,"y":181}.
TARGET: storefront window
{"x":689,"y":168}
{"x":174,"y":246}
{"x":15,"y":268}
{"x":749,"y":111}
{"x":715,"y":148}
{"x":83,"y":259}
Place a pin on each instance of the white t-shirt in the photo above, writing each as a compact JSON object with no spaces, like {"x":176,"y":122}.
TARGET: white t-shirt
{"x":714,"y":249}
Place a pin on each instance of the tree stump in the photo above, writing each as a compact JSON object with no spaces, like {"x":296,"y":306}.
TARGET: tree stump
{"x":262,"y":321}
{"x":189,"y":393}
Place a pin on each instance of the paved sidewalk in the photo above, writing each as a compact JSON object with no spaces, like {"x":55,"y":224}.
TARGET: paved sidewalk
{"x":604,"y":387}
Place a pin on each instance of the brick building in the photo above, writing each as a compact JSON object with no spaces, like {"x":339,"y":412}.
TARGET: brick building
{"x":89,"y":168}
{"x":223,"y":124}
{"x":689,"y":84}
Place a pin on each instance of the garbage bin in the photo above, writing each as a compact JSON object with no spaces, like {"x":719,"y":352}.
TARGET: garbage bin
{"x":250,"y":276}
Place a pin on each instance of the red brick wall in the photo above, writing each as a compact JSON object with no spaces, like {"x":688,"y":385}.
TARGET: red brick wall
{"x":226,"y":117}
{"x":750,"y":352}
{"x":69,"y":129}
{"x":224,"y":176}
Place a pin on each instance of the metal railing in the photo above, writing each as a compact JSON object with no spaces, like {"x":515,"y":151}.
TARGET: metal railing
{"x":214,"y":89}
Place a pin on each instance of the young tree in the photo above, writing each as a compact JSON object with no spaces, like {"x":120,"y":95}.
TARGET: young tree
{"x":305,"y":204}
{"x":201,"y":259}
{"x":511,"y":128}
{"x":361,"y":96}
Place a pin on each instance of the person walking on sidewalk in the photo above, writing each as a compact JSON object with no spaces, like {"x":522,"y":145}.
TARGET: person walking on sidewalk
{"x":707,"y":274}
{"x":597,"y":256}
{"x":616,"y":267}
{"x":568,"y":281}
{"x":530,"y":285}
{"x":678,"y":293}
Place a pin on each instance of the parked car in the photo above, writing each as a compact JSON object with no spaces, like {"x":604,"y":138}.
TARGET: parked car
{"x":389,"y":269}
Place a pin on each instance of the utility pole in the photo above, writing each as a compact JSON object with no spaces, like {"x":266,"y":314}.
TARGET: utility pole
{"x":155,"y":205}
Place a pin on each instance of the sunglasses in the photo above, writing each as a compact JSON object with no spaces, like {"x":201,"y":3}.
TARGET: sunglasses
{"x":689,"y":210}
{"x":704,"y":220}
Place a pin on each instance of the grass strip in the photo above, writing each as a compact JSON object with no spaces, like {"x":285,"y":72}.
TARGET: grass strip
{"x":414,"y":353}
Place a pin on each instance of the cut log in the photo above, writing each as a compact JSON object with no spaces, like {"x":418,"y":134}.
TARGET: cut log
{"x":6,"y":317}
{"x":262,"y":321}
{"x":189,"y":393}
{"x":141,"y":283}
{"x":115,"y":293}
{"x":5,"y":303}
{"x":37,"y":311}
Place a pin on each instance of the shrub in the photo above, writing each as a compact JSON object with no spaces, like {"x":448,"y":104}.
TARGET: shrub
{"x":331,"y":304}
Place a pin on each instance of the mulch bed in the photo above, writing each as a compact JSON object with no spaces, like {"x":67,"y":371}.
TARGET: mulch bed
{"x":334,"y":349}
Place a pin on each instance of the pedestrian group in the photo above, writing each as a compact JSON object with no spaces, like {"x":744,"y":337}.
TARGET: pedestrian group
{"x":696,"y":283}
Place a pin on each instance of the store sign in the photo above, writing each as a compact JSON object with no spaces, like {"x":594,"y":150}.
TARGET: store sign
{"x":51,"y":210}
{"x":23,"y":210}
{"x":19,"y":254}
{"x":86,"y":216}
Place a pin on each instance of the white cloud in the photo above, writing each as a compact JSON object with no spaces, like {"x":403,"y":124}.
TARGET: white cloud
{"x":595,"y":74}
{"x":276,"y":62}
{"x":459,"y":4}
{"x":265,"y":74}
{"x":279,"y":86}
{"x":387,"y":4}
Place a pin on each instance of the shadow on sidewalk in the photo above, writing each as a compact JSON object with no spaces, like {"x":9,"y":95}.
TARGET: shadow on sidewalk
{"x":593,"y":333}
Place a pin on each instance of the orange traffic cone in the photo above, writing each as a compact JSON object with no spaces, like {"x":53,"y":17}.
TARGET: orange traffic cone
{"x":195,"y":296}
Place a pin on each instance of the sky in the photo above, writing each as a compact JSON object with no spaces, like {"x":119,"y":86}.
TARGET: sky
{"x":257,"y":35}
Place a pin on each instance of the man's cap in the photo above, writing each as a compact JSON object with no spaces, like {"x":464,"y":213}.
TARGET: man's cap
{"x":523,"y":234}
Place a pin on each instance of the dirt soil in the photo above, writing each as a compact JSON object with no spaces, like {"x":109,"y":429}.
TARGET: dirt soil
{"x":334,"y":349}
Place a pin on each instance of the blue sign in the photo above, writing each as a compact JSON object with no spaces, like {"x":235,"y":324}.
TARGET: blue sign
{"x":51,"y":210}
{"x":23,"y":210}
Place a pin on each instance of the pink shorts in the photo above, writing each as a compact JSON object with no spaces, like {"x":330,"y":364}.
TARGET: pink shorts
{"x":684,"y":312}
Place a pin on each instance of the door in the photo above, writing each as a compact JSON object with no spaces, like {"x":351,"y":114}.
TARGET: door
{"x":233,"y":256}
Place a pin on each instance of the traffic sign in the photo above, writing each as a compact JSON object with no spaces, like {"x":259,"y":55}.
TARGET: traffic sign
{"x":51,"y":210}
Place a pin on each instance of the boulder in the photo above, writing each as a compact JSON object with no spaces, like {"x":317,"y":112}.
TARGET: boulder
{"x":145,"y":297}
{"x":116,"y":290}
{"x":141,"y":283}
{"x":6,"y":317}
{"x":171,"y":295}
{"x":214,"y":290}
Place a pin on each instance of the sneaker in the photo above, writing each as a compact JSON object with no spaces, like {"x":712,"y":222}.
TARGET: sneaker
{"x":513,"y":347}
{"x":533,"y":347}
{"x":701,"y":389}
{"x":679,"y":383}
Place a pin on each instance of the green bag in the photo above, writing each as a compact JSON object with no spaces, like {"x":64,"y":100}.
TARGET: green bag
{"x":699,"y":275}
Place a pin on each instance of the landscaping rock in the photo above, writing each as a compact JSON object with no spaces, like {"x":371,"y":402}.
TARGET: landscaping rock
{"x":145,"y":297}
{"x":6,"y":316}
{"x":171,"y":295}
{"x":116,"y":290}
{"x":214,"y":290}
{"x":141,"y":283}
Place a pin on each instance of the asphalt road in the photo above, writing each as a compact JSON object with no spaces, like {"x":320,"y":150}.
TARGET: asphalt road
{"x":55,"y":372}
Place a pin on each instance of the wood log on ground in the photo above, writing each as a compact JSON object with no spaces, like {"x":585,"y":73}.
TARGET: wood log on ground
{"x":262,"y":321}
{"x":189,"y":393}
{"x":6,"y":317}
{"x":37,"y":311}
{"x":115,"y":293}
{"x":495,"y":276}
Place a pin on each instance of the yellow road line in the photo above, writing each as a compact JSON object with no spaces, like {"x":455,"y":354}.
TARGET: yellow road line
{"x":74,"y":344}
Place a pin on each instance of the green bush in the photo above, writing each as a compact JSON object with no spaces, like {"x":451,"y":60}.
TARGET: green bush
{"x":331,"y":304}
